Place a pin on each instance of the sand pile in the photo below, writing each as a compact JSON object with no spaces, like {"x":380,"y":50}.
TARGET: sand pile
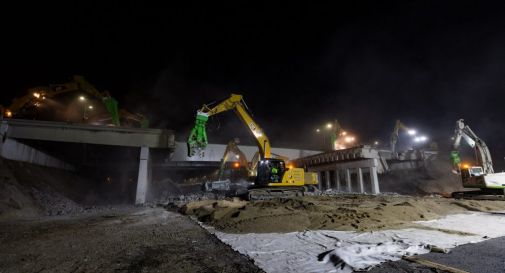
{"x":344,"y":212}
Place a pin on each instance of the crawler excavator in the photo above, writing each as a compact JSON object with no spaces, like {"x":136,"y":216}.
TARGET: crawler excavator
{"x":37,"y":95}
{"x":273,"y":177}
{"x":481,"y":175}
{"x":224,"y":185}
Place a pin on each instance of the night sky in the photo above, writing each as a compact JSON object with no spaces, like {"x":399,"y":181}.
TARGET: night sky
{"x":298,"y":64}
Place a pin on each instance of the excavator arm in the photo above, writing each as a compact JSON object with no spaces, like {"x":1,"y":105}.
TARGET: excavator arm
{"x":394,"y":135}
{"x":197,"y":140}
{"x":232,"y":148}
{"x":481,"y":149}
{"x":36,"y":95}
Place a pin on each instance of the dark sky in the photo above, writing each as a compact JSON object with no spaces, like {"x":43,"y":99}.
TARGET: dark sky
{"x":298,"y":64}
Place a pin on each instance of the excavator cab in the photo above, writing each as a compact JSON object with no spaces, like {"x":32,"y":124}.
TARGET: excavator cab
{"x":270,"y":170}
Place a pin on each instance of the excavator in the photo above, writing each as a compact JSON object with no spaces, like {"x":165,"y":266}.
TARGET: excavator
{"x":232,"y":148}
{"x":395,"y":134}
{"x":273,"y":176}
{"x":482,"y":174}
{"x":224,"y":185}
{"x":36,"y":96}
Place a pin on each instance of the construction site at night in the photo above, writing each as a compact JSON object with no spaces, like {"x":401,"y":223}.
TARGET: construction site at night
{"x":179,"y":169}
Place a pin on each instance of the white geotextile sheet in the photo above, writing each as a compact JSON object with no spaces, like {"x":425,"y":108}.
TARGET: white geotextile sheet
{"x":345,"y":251}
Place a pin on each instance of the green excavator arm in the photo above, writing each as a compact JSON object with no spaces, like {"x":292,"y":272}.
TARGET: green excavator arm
{"x":197,"y":140}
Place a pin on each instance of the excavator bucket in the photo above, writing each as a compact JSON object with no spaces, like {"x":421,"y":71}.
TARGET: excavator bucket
{"x":198,"y":138}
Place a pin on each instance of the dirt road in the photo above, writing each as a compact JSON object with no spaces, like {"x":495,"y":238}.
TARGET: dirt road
{"x":129,"y":240}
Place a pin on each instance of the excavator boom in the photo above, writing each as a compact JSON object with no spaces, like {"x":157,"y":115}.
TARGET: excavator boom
{"x":197,"y":139}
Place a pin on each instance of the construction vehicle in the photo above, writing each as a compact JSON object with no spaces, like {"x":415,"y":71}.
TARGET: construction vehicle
{"x":273,"y":176}
{"x":224,"y":185}
{"x":482,"y":174}
{"x":232,"y":148}
{"x":36,"y":97}
{"x":395,"y":135}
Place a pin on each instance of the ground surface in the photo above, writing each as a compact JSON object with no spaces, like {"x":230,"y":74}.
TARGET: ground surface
{"x":339,"y":212}
{"x":484,"y":257}
{"x":124,"y":240}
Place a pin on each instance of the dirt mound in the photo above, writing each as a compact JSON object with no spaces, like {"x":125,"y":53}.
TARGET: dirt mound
{"x":345,"y":212}
{"x":28,"y":190}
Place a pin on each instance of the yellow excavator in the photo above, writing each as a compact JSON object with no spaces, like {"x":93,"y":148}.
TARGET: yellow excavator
{"x":273,"y":176}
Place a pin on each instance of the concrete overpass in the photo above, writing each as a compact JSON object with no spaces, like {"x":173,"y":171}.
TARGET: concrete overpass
{"x":22,"y":140}
{"x":360,"y":162}
{"x":214,"y":152}
{"x":13,"y":130}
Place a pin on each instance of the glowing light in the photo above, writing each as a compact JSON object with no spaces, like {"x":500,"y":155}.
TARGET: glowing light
{"x":36,"y":95}
{"x":317,"y":130}
{"x":420,"y":139}
{"x":329,"y":125}
{"x":236,"y":164}
{"x":344,"y":133}
{"x":465,"y":166}
{"x":376,"y":143}
{"x":8,"y":113}
{"x":82,"y":98}
{"x":290,"y":166}
{"x":349,"y":139}
{"x":412,"y":132}
{"x":90,"y":107}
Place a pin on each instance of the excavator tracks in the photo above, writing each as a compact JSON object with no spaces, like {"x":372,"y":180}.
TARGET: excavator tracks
{"x":279,"y":192}
{"x":493,"y":195}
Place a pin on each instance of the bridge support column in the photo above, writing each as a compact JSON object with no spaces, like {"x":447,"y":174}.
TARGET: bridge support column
{"x":144,"y":176}
{"x":360,"y":181}
{"x":320,"y":180}
{"x":337,"y":179}
{"x":327,"y":176}
{"x":374,"y":180}
{"x":348,"y":180}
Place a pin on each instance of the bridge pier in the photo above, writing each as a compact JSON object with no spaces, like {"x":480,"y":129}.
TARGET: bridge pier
{"x":144,"y":176}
